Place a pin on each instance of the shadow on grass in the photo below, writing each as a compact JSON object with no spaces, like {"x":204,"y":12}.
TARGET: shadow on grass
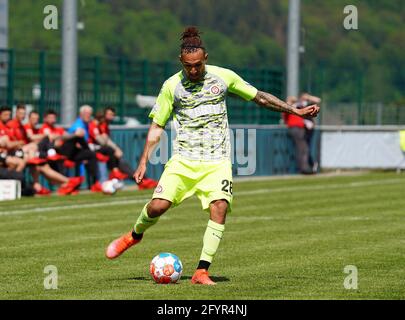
{"x":214,"y":278}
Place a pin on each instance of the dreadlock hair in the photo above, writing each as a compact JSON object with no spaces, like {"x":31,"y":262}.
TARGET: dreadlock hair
{"x":191,"y":40}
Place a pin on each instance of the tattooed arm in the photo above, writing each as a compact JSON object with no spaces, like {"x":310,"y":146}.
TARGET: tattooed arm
{"x":271,"y":102}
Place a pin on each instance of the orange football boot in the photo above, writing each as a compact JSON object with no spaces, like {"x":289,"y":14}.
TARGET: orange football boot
{"x":120,"y":245}
{"x":201,"y":276}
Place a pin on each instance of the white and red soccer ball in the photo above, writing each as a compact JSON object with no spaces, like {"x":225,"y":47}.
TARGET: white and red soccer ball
{"x":166,"y":268}
{"x":112,"y":186}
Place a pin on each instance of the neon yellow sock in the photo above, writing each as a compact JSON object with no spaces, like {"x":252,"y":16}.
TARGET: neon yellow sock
{"x":212,"y":238}
{"x":144,"y":221}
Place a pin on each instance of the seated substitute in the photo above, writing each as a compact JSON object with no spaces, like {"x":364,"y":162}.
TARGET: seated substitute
{"x":101,"y":141}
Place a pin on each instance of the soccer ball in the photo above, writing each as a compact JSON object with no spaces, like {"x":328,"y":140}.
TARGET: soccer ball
{"x":111,"y":186}
{"x":166,"y":268}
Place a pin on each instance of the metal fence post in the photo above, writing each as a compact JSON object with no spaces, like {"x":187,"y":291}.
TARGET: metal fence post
{"x":293,"y":46}
{"x":321,"y":94}
{"x":397,"y":118}
{"x":122,"y":65}
{"x":10,"y":77}
{"x":42,"y":82}
{"x":145,"y":76}
{"x":96,"y":84}
{"x":379,"y":114}
{"x":70,"y":79}
{"x":166,"y":70}
{"x":360,"y":119}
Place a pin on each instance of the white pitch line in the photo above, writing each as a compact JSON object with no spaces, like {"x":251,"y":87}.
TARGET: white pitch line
{"x":241,"y":193}
{"x":328,"y":186}
{"x":74,"y":206}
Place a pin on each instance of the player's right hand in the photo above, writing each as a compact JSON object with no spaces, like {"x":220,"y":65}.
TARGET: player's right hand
{"x":309,"y":112}
{"x":140,"y":173}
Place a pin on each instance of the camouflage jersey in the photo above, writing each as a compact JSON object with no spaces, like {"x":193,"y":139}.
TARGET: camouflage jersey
{"x":199,"y":112}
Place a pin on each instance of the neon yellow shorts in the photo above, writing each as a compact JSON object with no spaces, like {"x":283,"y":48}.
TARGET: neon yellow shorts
{"x":183,"y":178}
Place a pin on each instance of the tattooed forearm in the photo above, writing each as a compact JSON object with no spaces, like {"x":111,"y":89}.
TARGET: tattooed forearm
{"x":269,"y":101}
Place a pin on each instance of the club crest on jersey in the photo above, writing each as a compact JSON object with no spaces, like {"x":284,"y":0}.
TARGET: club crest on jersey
{"x":215,"y":90}
{"x":159,"y":189}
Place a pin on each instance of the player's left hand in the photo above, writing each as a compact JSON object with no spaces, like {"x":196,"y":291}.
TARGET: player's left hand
{"x":309,"y":112}
{"x":140,"y":172}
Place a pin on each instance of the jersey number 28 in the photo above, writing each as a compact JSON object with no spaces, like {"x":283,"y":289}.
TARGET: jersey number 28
{"x":227,"y":186}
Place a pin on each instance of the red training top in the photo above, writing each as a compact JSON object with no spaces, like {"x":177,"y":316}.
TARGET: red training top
{"x":291,"y":120}
{"x":17,"y":131}
{"x":94,"y":131}
{"x":30,"y":130}
{"x":4,"y":130}
{"x":47,"y":129}
{"x":104,"y":128}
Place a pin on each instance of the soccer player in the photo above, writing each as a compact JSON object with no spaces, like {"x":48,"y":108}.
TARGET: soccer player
{"x":16,"y":127}
{"x":31,"y":128}
{"x":306,"y":100}
{"x":72,"y":144}
{"x":56,"y":134}
{"x":102,"y":144}
{"x":80,"y":149}
{"x":201,"y":163}
{"x":99,"y":131}
{"x":7,"y":161}
{"x":16,"y":135}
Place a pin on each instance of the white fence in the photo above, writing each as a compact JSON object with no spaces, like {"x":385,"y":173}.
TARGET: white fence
{"x":361,"y":147}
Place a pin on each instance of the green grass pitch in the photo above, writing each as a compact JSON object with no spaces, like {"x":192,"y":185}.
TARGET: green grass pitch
{"x":286,"y":239}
